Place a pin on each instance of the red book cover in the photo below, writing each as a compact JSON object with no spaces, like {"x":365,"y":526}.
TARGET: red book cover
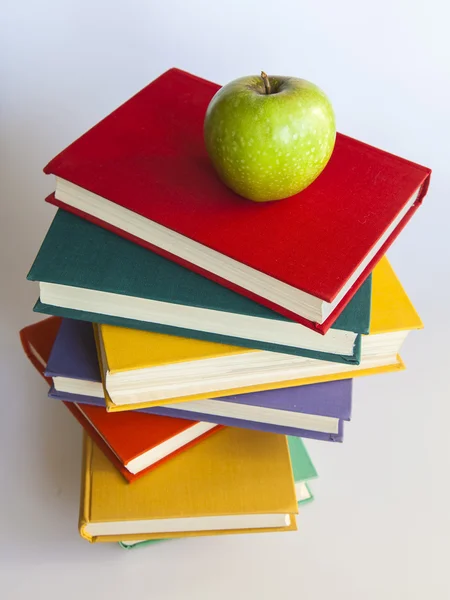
{"x":149,"y":158}
{"x":37,"y":342}
{"x":122,"y":437}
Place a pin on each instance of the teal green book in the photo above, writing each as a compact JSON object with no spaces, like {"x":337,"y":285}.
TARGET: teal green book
{"x":86,"y":272}
{"x":303,"y":471}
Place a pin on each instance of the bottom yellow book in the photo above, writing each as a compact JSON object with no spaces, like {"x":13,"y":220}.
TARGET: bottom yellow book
{"x":238,"y":481}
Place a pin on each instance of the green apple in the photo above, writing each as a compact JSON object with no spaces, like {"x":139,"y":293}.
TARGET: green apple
{"x":269,"y":137}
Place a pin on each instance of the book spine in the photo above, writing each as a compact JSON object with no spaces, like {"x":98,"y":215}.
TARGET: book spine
{"x":109,"y":403}
{"x":85,"y":492}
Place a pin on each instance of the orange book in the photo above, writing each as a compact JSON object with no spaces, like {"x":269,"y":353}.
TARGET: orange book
{"x":134,"y":442}
{"x":37,"y":342}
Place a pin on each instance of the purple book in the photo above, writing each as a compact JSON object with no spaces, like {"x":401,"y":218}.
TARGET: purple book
{"x":315,"y":411}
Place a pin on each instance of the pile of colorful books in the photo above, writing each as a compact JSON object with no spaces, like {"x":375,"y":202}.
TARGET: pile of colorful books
{"x":197,"y":336}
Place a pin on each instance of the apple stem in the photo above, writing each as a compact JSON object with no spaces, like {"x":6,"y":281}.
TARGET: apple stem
{"x":266,"y":82}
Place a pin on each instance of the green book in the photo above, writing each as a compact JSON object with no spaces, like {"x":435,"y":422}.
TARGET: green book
{"x":88,"y":273}
{"x":302,"y":469}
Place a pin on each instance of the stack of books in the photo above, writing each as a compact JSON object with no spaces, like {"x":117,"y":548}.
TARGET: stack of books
{"x":197,"y":336}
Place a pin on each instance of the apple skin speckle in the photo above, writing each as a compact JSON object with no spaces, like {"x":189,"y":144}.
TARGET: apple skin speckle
{"x":283,"y":139}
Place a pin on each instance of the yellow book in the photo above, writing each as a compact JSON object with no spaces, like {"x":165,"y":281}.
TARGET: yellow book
{"x":238,"y":481}
{"x":142,"y":369}
{"x":392,"y":310}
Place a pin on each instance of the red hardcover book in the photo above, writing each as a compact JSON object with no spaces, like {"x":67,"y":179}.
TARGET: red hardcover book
{"x":144,"y":173}
{"x":134,"y":442}
{"x":37,"y":342}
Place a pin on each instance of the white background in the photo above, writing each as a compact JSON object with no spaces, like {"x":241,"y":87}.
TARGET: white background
{"x":380,"y":526}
